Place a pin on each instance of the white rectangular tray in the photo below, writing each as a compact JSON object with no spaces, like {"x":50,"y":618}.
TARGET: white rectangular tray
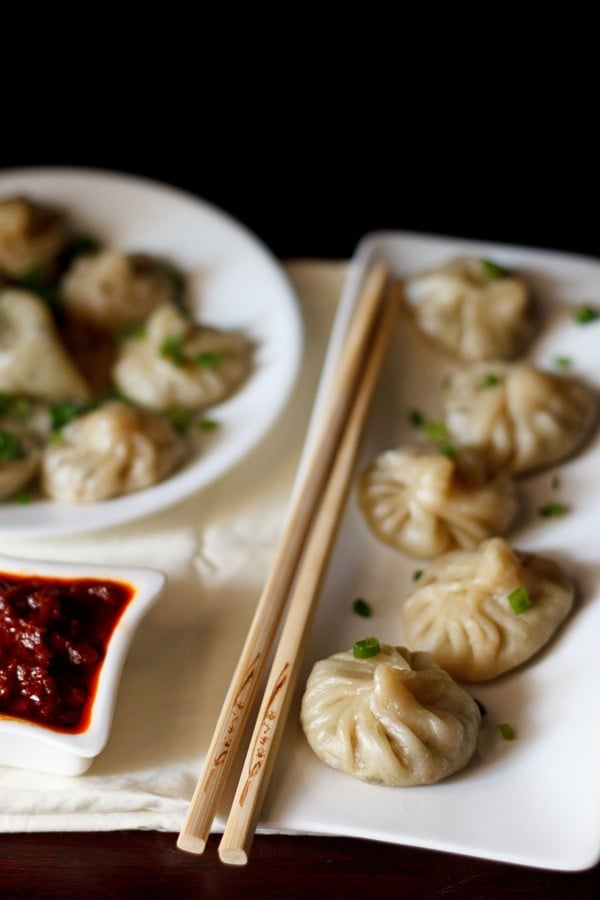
{"x":533,"y":801}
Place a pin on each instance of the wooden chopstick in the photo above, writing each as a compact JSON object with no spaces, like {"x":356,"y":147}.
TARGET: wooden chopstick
{"x":261,"y":635}
{"x":239,"y":830}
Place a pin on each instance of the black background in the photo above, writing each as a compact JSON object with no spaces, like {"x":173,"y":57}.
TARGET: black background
{"x":316,"y":124}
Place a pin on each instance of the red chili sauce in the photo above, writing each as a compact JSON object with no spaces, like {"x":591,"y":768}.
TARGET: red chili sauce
{"x":53,"y":639}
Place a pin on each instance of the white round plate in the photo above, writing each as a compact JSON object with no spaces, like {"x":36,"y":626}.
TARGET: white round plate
{"x":235,"y":282}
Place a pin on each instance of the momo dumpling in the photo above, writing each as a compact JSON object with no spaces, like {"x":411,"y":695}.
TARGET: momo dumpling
{"x":472,"y":309}
{"x":110,"y":451}
{"x":114,"y":291}
{"x":394,"y":719}
{"x":32,"y":237}
{"x":33,"y":360}
{"x":483,"y":612}
{"x":518,"y":416}
{"x":177,"y":363}
{"x":20,"y":456}
{"x":422,"y":502}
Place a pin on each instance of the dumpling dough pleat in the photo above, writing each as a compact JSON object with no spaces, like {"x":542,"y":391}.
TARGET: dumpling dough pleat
{"x":33,"y":361}
{"x":177,"y":363}
{"x":461,"y":614}
{"x":517,"y":416}
{"x":113,"y":450}
{"x":472,"y":310}
{"x":393,"y":719}
{"x":424,"y":503}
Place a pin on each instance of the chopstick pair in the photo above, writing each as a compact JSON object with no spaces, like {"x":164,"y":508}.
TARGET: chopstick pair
{"x":302,"y":554}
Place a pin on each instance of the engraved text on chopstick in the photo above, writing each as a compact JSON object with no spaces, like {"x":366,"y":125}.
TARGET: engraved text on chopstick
{"x":235,"y":718}
{"x":264,"y":734}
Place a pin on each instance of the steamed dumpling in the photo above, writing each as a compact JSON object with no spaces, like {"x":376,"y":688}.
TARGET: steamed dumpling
{"x":519,"y":417}
{"x":462,"y":615}
{"x":33,"y":360}
{"x":177,"y":363}
{"x":114,"y":291}
{"x":32,"y":236}
{"x":394,"y":719}
{"x":472,"y":309}
{"x":424,"y":503}
{"x":113,"y":450}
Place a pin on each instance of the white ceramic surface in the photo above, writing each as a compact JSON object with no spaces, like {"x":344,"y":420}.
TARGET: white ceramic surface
{"x":28,"y":745}
{"x":235,"y":283}
{"x":533,"y":801}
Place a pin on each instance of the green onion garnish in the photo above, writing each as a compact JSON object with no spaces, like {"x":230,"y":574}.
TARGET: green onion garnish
{"x":208,"y":425}
{"x":416,"y":418}
{"x":361,"y":608}
{"x":519,"y":600}
{"x":172,"y":349}
{"x":552,"y":510}
{"x":417,"y":574}
{"x":180,"y":419}
{"x":63,"y":413}
{"x":562,"y":362}
{"x":507,"y":731}
{"x":492,"y":269}
{"x":585,"y":314}
{"x":17,"y":407}
{"x":435,"y":431}
{"x":449,"y":451}
{"x":138,"y":330}
{"x":10,"y":446}
{"x":489,"y":380}
{"x":22,"y":497}
{"x":368,"y":647}
{"x":209,"y":358}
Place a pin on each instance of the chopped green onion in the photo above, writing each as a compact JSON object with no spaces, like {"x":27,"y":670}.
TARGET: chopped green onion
{"x":208,"y":425}
{"x":63,"y":413}
{"x":180,"y":419}
{"x":492,"y":269}
{"x":489,"y":380}
{"x":172,"y":349}
{"x":435,"y":431}
{"x":368,"y":647}
{"x":585,"y":314}
{"x":177,"y":277}
{"x":138,"y":330}
{"x":562,"y":362}
{"x":17,"y":407}
{"x":10,"y":446}
{"x":361,"y":608}
{"x":417,"y":574}
{"x":449,"y":451}
{"x":507,"y":731}
{"x":553,"y":510}
{"x":519,"y":600}
{"x":22,"y":497}
{"x":209,"y":358}
{"x":416,"y":418}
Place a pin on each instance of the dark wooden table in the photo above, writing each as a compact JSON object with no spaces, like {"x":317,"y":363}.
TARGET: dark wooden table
{"x":115,"y":865}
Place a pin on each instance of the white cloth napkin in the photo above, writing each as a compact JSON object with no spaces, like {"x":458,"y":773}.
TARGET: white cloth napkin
{"x":216,"y":548}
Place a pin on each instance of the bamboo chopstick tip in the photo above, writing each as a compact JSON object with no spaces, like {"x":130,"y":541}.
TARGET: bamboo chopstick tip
{"x":191,"y":843}
{"x":233,"y":856}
